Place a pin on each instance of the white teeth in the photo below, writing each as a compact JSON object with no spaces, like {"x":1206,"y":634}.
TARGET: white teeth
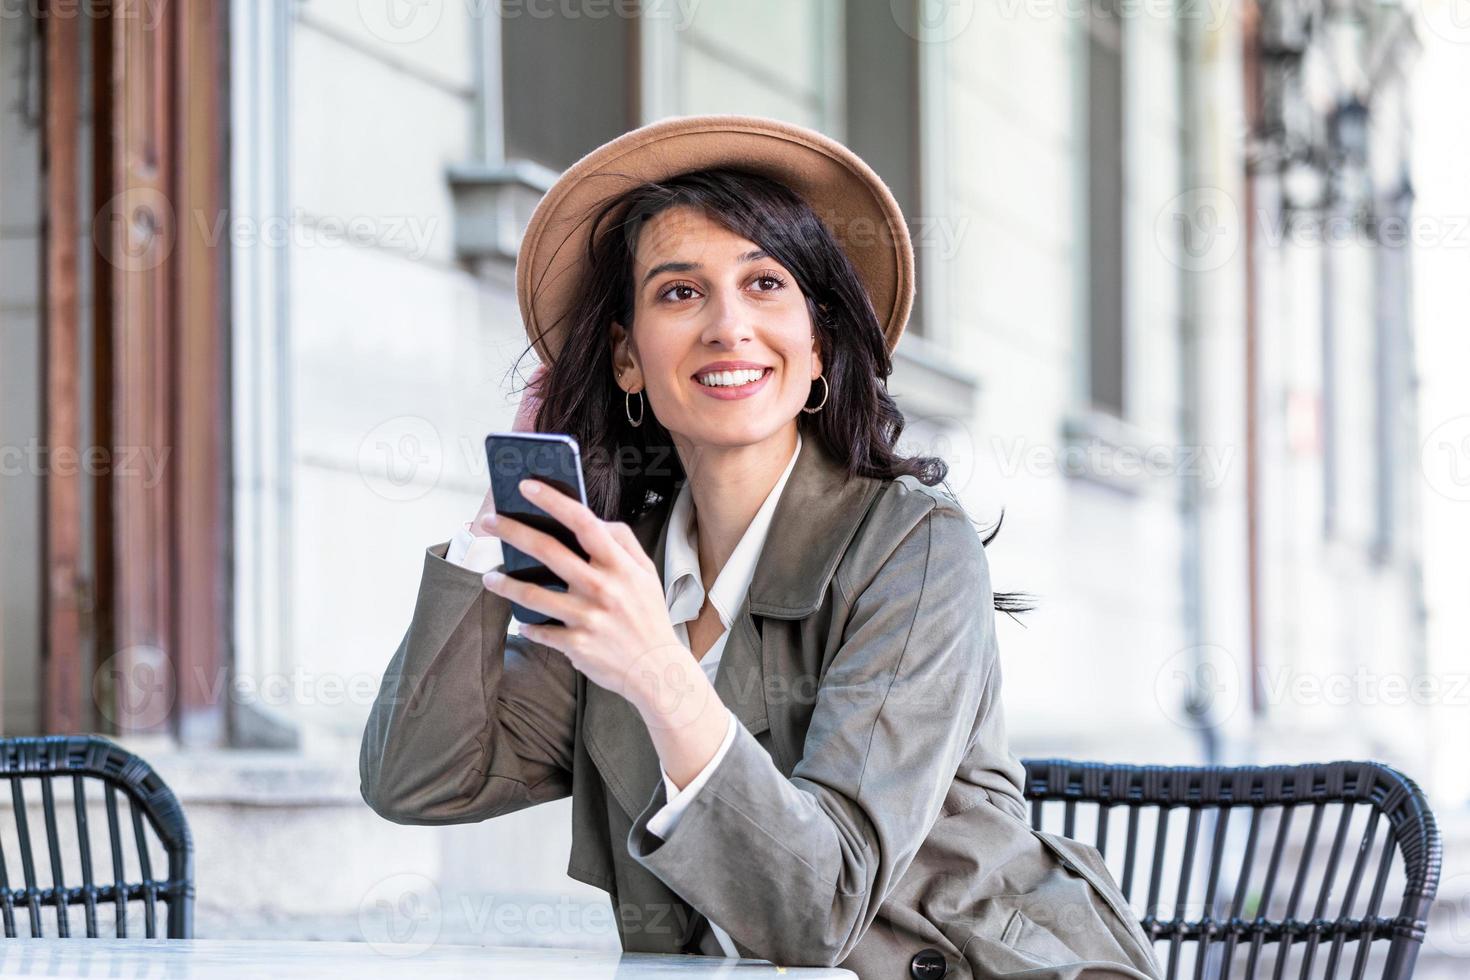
{"x":721,"y":379}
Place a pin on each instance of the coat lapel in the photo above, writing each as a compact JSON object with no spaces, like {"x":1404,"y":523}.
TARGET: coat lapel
{"x":816,"y":517}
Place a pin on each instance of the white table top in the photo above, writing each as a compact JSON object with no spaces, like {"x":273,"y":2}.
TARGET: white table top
{"x":186,"y":959}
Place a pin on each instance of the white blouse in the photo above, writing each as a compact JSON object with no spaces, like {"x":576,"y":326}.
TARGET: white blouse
{"x":685,"y":595}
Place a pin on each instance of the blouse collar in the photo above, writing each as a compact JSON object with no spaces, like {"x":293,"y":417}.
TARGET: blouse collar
{"x":683,"y":586}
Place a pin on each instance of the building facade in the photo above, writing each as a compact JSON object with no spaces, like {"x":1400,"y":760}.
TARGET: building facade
{"x":1196,"y":415}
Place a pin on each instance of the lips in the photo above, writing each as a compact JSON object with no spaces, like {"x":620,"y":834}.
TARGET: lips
{"x":729,"y":366}
{"x":729,"y":392}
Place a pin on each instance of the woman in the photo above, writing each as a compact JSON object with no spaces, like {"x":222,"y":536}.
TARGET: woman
{"x":774,"y":700}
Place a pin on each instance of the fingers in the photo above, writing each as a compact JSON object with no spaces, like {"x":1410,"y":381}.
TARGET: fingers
{"x":592,"y":531}
{"x":623,"y":535}
{"x":568,"y":566}
{"x":556,"y":604}
{"x":487,"y":507}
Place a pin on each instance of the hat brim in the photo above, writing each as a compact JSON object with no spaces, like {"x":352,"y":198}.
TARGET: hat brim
{"x":853,"y":201}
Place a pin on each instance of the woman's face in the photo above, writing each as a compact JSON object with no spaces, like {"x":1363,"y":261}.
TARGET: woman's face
{"x":704,"y":296}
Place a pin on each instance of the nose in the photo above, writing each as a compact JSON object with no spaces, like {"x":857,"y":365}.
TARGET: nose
{"x":728,"y":324}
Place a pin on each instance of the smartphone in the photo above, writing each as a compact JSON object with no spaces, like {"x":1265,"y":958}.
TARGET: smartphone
{"x":554,"y":459}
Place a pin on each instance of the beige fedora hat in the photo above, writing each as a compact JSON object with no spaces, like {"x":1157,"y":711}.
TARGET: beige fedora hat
{"x":852,"y":200}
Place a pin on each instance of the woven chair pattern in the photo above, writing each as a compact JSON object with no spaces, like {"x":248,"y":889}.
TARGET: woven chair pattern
{"x":1222,"y":902}
{"x":52,"y":765}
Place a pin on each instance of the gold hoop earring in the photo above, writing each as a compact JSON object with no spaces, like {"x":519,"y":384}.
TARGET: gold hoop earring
{"x":628,"y":408}
{"x":825,"y":391}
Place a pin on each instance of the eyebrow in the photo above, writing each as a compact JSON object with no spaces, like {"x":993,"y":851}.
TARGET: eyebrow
{"x":752,"y":256}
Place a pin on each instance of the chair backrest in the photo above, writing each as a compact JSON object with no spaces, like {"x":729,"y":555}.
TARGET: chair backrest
{"x":62,"y":767}
{"x":1226,"y":898}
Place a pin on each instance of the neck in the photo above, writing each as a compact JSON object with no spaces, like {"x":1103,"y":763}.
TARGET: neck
{"x":728,"y":484}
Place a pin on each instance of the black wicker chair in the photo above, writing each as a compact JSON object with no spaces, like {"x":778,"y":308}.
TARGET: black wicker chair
{"x":76,"y":761}
{"x":1237,"y":906}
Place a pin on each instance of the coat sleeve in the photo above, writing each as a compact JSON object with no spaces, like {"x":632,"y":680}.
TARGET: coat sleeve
{"x":796,"y":869}
{"x":470,"y":722}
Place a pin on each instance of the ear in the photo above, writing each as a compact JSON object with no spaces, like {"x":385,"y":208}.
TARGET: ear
{"x":817,"y":366}
{"x":625,"y":358}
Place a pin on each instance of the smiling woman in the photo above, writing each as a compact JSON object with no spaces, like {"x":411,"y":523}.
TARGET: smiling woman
{"x":775,"y":695}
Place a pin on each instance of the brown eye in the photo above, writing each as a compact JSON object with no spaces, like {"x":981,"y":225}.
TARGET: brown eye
{"x":677,"y":285}
{"x":777,"y":281}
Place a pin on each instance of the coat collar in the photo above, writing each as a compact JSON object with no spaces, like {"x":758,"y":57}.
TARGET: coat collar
{"x":816,"y":517}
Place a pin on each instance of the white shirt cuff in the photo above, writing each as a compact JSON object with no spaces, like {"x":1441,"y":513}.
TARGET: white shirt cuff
{"x":663,"y":822}
{"x":473,"y":551}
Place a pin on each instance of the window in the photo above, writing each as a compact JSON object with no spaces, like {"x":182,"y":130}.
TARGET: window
{"x":567,"y":81}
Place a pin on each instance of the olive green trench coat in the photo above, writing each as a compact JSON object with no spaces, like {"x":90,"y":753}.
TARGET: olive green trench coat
{"x":869,"y":813}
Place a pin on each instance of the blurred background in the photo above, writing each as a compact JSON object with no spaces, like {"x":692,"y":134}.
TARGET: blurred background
{"x":1191,"y":313}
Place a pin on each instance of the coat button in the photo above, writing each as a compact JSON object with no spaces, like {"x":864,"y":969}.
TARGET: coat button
{"x":928,"y":964}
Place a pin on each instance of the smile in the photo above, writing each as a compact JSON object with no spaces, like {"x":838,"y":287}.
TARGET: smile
{"x":733,"y":384}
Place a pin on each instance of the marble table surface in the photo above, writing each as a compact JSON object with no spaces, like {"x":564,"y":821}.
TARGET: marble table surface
{"x":185,"y":959}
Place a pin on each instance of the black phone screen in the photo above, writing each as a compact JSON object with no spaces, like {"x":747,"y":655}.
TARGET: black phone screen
{"x":554,"y":459}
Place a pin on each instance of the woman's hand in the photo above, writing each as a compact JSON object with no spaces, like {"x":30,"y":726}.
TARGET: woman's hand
{"x":525,"y":421}
{"x":616,"y":627}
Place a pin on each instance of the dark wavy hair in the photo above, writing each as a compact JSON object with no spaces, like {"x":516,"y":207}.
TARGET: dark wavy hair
{"x":860,"y":423}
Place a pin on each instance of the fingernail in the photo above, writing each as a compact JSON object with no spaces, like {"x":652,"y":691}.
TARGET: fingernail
{"x":530,"y":488}
{"x":489,"y":520}
{"x":493,"y":578}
